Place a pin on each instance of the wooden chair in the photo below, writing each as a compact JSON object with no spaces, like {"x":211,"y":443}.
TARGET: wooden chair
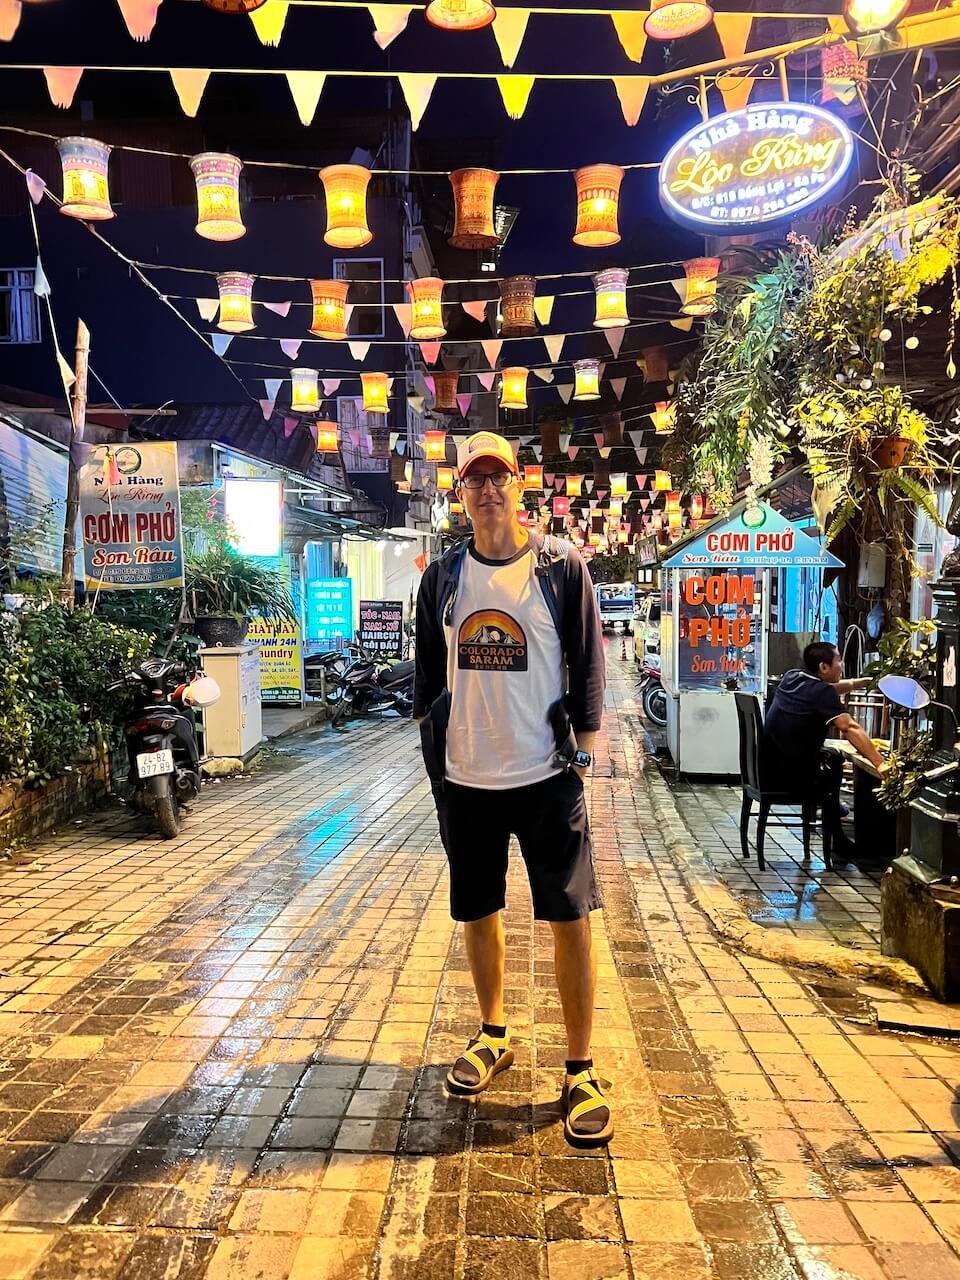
{"x":751,"y":737}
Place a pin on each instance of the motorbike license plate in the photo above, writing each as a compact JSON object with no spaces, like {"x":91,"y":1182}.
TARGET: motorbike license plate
{"x":152,"y":763}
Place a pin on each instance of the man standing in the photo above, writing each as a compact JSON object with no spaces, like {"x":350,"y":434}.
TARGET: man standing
{"x":509,"y":695}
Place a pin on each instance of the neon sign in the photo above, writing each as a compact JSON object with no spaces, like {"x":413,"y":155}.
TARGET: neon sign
{"x":742,"y":170}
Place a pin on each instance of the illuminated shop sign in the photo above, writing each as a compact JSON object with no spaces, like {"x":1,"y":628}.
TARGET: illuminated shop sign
{"x":742,"y":170}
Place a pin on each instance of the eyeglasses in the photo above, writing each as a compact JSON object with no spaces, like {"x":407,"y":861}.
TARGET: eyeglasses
{"x":499,"y":479}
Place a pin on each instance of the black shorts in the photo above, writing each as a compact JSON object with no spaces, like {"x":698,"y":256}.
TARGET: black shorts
{"x":549,"y":820}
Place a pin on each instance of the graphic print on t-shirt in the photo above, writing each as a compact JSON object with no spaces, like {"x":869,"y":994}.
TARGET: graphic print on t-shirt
{"x":490,"y":640}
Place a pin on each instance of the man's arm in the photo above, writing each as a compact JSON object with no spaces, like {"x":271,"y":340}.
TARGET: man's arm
{"x":854,"y":734}
{"x":583,"y":650}
{"x":430,"y":655}
{"x":852,"y":686}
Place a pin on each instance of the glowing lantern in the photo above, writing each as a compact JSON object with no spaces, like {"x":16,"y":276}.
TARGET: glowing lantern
{"x":586,"y":374}
{"x":674,"y":521}
{"x":345,"y":186}
{"x":663,"y":417}
{"x":375,"y":392}
{"x":445,"y":383}
{"x":408,"y":472}
{"x":435,"y":446}
{"x":86,"y":191}
{"x":662,"y":481}
{"x":844,"y":71}
{"x":236,"y":307}
{"x":672,"y":501}
{"x":674,"y":19}
{"x":574,"y":484}
{"x":427,"y":316}
{"x":701,"y":276}
{"x":611,"y":289}
{"x":328,"y":441}
{"x":444,"y":478}
{"x":623,"y":535}
{"x":618,"y":484}
{"x":533,"y":476}
{"x":218,"y":195}
{"x":862,"y":16}
{"x":598,"y":199}
{"x":653,"y":361}
{"x":513,"y":389}
{"x":305,"y":394}
{"x":561,"y":507}
{"x":615,"y":508}
{"x":696,"y":506}
{"x":473,"y":226}
{"x":460,"y":15}
{"x":517,"y":293}
{"x":329,"y":308}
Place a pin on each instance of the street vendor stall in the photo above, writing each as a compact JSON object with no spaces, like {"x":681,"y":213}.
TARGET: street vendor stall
{"x":715,"y":628}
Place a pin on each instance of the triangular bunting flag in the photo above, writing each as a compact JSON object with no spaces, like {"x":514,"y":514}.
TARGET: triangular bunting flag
{"x":598,"y":437}
{"x":404,"y":313}
{"x":618,"y":385}
{"x":269,"y":20}
{"x":272,"y":387}
{"x":417,"y":87}
{"x":632,"y":92}
{"x":543,"y":308}
{"x":486,"y":379}
{"x":430,"y":352}
{"x":680,"y":284}
{"x":189,"y":84}
{"x":416,"y":403}
{"x":464,"y":399}
{"x":635,"y":438}
{"x":566,"y":391}
{"x":615,"y":339}
{"x":41,"y":285}
{"x":140,"y":16}
{"x":686,"y":324}
{"x":359,"y":350}
{"x":208,"y":307}
{"x":35,"y":184}
{"x":642,"y":455}
{"x":266,"y":408}
{"x":388,"y":21}
{"x":353,"y":435}
{"x":67,"y":376}
{"x":564,"y":441}
{"x":394,"y":437}
{"x":550,"y":479}
{"x":515,"y":92}
{"x":735,"y":90}
{"x":477,"y":309}
{"x":289,"y":427}
{"x":491,"y":349}
{"x":62,"y":84}
{"x":430,"y":383}
{"x":537,"y":451}
{"x":734,"y":32}
{"x":554,"y":344}
{"x":644,"y":503}
{"x":305,"y":89}
{"x":278,"y":308}
{"x":220,"y":343}
{"x":588,"y":485}
{"x":641,"y":480}
{"x":290,"y":347}
{"x":630,"y":33}
{"x":10,"y":14}
{"x":572,"y":451}
{"x":330,"y":385}
{"x":508,"y":27}
{"x":528,"y":439}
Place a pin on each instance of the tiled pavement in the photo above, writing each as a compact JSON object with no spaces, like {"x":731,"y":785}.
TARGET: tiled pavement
{"x":221,"y":1057}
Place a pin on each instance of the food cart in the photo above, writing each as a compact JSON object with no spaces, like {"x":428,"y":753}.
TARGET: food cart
{"x":715,"y":626}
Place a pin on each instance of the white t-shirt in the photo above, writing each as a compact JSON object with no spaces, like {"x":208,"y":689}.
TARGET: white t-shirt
{"x":504,"y":670}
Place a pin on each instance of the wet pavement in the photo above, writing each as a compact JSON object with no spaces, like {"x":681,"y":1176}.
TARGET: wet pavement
{"x":222,"y":1057}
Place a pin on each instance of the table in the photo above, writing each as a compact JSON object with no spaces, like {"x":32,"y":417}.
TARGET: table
{"x":874,"y":827}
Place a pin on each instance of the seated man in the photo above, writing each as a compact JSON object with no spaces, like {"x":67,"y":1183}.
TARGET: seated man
{"x":805,"y":705}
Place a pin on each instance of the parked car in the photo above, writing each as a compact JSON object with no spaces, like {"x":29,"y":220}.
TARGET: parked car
{"x":615,"y":601}
{"x":646,"y":626}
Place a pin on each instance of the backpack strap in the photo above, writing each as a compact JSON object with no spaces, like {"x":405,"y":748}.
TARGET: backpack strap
{"x":551,"y":569}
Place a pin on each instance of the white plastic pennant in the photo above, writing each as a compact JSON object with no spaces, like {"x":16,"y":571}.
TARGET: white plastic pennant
{"x":491,"y":349}
{"x":618,"y":385}
{"x":359,"y":350}
{"x":417,"y":87}
{"x":515,"y":446}
{"x":67,"y":376}
{"x":642,"y":455}
{"x":220,"y":342}
{"x":305,"y":89}
{"x":632,"y":92}
{"x":537,"y":451}
{"x":278,"y":308}
{"x":404,"y":313}
{"x":272,"y":387}
{"x":208,"y":307}
{"x":388,"y":21}
{"x":464,"y":399}
{"x":62,"y":84}
{"x":290,"y":347}
{"x":477,"y":309}
{"x":394,"y":437}
{"x":635,"y":438}
{"x":615,"y":339}
{"x":543,"y":307}
{"x":554,"y":344}
{"x":680,"y":284}
{"x":564,"y":441}
{"x":330,"y":385}
{"x":41,"y":285}
{"x":588,"y":485}
{"x":269,"y":20}
{"x":10,"y":14}
{"x":685,"y":324}
{"x":416,"y":403}
{"x":35,"y":185}
{"x":430,"y":352}
{"x":630,"y":32}
{"x":486,"y":379}
{"x":527,"y":439}
{"x":140,"y":16}
{"x":509,"y":27}
{"x":572,"y":451}
{"x":515,"y":92}
{"x":545,"y":375}
{"x":566,"y":391}
{"x":266,"y":408}
{"x":189,"y":84}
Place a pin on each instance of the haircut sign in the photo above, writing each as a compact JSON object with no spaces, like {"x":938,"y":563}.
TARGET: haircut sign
{"x":739,"y":171}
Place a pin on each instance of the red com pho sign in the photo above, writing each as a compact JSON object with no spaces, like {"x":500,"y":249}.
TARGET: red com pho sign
{"x":742,"y":170}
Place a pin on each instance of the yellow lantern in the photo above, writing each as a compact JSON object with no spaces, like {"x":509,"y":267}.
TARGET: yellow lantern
{"x":328,"y":440}
{"x":574,"y":486}
{"x":674,"y":19}
{"x":86,"y":190}
{"x":473,"y":226}
{"x":217,"y":176}
{"x":611,"y":288}
{"x":305,"y":394}
{"x":672,"y":501}
{"x":533,"y":476}
{"x":586,"y":379}
{"x":444,"y":478}
{"x":513,"y":389}
{"x":329,"y":308}
{"x":598,"y":199}
{"x":701,"y":276}
{"x":426,"y":297}
{"x":863,"y":16}
{"x":460,"y":15}
{"x":236,"y":306}
{"x":517,"y":293}
{"x":674,"y":521}
{"x":662,"y":481}
{"x":445,"y":382}
{"x":618,"y":485}
{"x":663,"y":417}
{"x":375,"y":392}
{"x":345,"y":186}
{"x":435,"y":446}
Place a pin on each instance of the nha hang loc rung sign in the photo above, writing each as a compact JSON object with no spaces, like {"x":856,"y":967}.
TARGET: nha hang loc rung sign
{"x":743,"y":170}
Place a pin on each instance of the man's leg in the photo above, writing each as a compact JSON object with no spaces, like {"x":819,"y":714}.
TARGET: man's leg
{"x":486,"y":955}
{"x":576,"y":969}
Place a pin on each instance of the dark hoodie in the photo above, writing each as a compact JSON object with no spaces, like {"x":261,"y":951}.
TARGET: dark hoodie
{"x":801,"y":712}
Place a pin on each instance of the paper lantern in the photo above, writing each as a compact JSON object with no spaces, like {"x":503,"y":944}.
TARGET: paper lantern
{"x":403,"y":486}
{"x":473,"y":226}
{"x":86,"y":190}
{"x":618,"y":484}
{"x":217,"y":176}
{"x":586,"y":375}
{"x":445,"y":382}
{"x":533,"y":476}
{"x":550,"y":438}
{"x":375,"y":392}
{"x":653,"y":361}
{"x":612,"y":425}
{"x":435,"y":446}
{"x":379,"y":442}
{"x":329,"y":308}
{"x":444,"y":478}
{"x":574,"y":486}
{"x":701,"y":276}
{"x":862,"y":16}
{"x":611,"y":289}
{"x":517,"y":294}
{"x":662,"y":481}
{"x":674,"y":521}
{"x":672,"y":501}
{"x":236,"y":306}
{"x":844,"y":71}
{"x":623,"y":535}
{"x":674,"y":19}
{"x":513,"y":389}
{"x":305,"y":394}
{"x":328,"y":439}
{"x":663,"y":417}
{"x":561,"y":507}
{"x":426,"y":295}
{"x":696,"y":506}
{"x":460,"y":15}
{"x":345,"y":186}
{"x":598,"y":199}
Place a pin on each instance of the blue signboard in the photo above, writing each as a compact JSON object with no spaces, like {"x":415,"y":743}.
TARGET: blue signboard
{"x":757,"y":537}
{"x":330,"y":611}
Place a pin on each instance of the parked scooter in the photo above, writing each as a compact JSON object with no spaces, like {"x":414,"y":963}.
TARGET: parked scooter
{"x":652,"y":695}
{"x":161,"y":738}
{"x":372,"y":685}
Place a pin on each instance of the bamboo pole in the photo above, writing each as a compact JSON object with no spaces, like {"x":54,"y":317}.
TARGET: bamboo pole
{"x":78,"y":419}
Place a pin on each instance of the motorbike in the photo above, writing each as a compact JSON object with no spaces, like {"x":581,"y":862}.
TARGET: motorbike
{"x":371,"y":685}
{"x":161,"y":738}
{"x":653,"y":698}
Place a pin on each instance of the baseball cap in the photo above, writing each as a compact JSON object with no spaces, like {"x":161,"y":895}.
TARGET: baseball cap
{"x":485,"y":444}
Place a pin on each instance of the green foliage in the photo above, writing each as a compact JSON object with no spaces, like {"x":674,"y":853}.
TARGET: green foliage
{"x":903,"y":778}
{"x":907,"y":650}
{"x":611,"y":566}
{"x":221,"y":582}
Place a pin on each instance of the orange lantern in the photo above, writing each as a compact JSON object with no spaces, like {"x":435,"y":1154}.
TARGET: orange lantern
{"x":662,"y":481}
{"x":445,"y":383}
{"x":435,"y":446}
{"x":426,"y":296}
{"x":533,"y":476}
{"x":304,"y":392}
{"x":586,"y":378}
{"x":696,"y":506}
{"x":574,"y":486}
{"x":672,"y":501}
{"x":86,"y":189}
{"x":345,"y":186}
{"x":674,"y":19}
{"x":236,"y":307}
{"x":329,"y":308}
{"x":611,"y":290}
{"x":444,"y":478}
{"x":701,"y":276}
{"x":460,"y":15}
{"x":517,"y":293}
{"x":598,"y":199}
{"x":473,"y":226}
{"x":653,"y":361}
{"x":513,"y":389}
{"x":328,"y":440}
{"x":218,"y":195}
{"x":376,"y":391}
{"x":663,"y":416}
{"x":674,"y":521}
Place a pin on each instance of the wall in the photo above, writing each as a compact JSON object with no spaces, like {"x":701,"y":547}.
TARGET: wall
{"x":26,"y":813}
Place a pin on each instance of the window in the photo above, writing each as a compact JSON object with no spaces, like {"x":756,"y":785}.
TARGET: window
{"x":366,"y":294}
{"x":353,"y":419}
{"x":19,"y":307}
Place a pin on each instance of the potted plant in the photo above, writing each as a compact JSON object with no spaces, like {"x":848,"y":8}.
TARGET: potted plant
{"x":225,"y":589}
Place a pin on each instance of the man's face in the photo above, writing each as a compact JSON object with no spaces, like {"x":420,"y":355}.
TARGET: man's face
{"x":832,"y":672}
{"x":490,"y":507}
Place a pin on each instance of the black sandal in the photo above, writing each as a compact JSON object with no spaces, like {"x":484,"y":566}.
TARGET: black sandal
{"x":587,"y":1120}
{"x":484,"y":1057}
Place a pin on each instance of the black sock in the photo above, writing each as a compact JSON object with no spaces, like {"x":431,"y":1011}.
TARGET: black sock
{"x":576,"y":1065}
{"x":489,"y":1029}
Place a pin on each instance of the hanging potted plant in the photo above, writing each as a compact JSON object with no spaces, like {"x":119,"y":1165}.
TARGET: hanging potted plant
{"x":225,"y":589}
